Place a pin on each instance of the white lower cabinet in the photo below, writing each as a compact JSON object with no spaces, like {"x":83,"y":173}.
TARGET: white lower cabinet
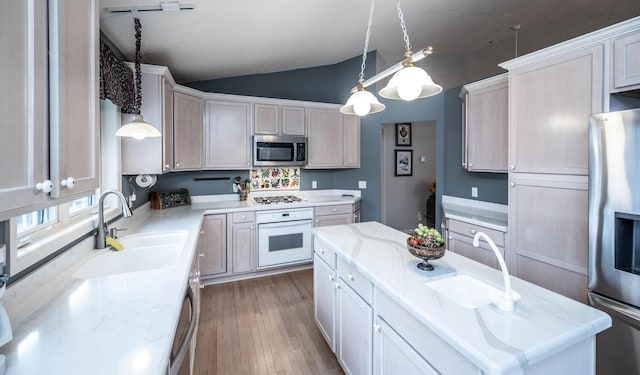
{"x":324,"y":294}
{"x":393,"y":355}
{"x":354,"y":344}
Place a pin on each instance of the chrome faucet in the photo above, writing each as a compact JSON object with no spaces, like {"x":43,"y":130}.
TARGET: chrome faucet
{"x":101,"y":242}
{"x":506,"y":304}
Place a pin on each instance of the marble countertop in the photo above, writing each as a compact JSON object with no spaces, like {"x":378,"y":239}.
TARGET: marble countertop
{"x":542,"y":323}
{"x":118,"y":324}
{"x":489,"y":215}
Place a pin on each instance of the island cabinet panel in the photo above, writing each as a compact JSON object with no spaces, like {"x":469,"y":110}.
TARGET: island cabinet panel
{"x":393,"y":355}
{"x":354,"y":346}
{"x":214,"y":260}
{"x":187,"y":134}
{"x":549,"y":103}
{"x":324,"y":296}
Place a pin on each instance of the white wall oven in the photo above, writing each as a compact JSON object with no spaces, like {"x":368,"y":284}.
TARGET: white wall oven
{"x":284,"y":237}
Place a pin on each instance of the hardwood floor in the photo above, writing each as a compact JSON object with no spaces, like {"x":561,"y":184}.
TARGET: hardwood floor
{"x":262,"y":326}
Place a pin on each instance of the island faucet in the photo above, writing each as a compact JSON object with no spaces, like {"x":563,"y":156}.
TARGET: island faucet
{"x":102,"y":226}
{"x":505,"y":304}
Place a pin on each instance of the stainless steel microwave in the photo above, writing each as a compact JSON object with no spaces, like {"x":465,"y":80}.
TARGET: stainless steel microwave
{"x":279,"y":151}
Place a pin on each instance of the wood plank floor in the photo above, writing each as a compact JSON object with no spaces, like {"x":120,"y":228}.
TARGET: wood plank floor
{"x":262,"y":326}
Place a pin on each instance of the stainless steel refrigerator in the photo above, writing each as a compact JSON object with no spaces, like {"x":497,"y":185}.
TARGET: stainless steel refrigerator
{"x":614,"y":237}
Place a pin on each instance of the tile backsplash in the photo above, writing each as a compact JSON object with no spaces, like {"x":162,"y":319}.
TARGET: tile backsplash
{"x":275,"y":179}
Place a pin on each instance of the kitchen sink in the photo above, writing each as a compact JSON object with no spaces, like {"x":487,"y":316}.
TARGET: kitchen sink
{"x":142,"y":252}
{"x":468,"y":291}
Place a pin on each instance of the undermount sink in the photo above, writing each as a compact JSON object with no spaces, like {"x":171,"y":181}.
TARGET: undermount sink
{"x":142,"y":252}
{"x":468,"y":291}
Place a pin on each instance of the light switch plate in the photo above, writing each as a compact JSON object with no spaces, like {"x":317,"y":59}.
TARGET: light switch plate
{"x":474,"y":192}
{"x":314,"y":184}
{"x":362,"y":184}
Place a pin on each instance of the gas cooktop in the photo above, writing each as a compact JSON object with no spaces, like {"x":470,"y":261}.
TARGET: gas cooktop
{"x":277,"y":199}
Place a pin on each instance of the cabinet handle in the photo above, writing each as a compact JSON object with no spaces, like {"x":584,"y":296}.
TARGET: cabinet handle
{"x":377,"y":328}
{"x":473,"y":231}
{"x":68,"y":182}
{"x":201,"y":232}
{"x":350,"y":277}
{"x":512,"y":184}
{"x":512,"y":166}
{"x":45,"y":186}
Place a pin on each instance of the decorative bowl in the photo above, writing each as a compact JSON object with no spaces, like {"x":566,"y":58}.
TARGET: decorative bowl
{"x":425,"y":253}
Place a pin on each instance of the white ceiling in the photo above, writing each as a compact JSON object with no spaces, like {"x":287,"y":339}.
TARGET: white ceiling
{"x":224,"y":38}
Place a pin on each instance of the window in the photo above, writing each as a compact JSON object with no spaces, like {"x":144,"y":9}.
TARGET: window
{"x":37,"y":220}
{"x":81,"y":204}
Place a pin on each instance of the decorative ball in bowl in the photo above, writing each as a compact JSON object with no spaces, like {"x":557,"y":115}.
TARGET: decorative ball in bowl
{"x":426,"y":243}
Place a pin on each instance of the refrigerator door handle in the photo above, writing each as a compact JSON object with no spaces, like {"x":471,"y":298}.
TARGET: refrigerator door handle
{"x":628,"y":314}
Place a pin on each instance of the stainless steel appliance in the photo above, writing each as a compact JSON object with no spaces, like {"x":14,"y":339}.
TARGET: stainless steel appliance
{"x":279,"y":151}
{"x":284,"y":236}
{"x":614,"y":237}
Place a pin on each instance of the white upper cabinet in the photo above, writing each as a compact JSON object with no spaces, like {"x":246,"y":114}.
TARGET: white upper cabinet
{"x":227,"y":135}
{"x":333,"y":139}
{"x":152,"y":155}
{"x":187,"y":131}
{"x":276,"y":119}
{"x":626,"y":62}
{"x":73,"y":96}
{"x":486,"y":124}
{"x":23,"y":103}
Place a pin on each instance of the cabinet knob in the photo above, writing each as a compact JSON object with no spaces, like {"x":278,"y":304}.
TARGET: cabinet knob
{"x":464,"y":164}
{"x":473,"y":231}
{"x":321,"y":251}
{"x":252,"y":227}
{"x":167,"y":166}
{"x":377,"y":328}
{"x":201,"y":254}
{"x":45,"y":186}
{"x":337,"y":285}
{"x":331,"y":278}
{"x":68,"y":182}
{"x":470,"y":165}
{"x":512,"y":167}
{"x":512,"y":184}
{"x":177,"y":165}
{"x":248,"y":164}
{"x":450,"y":238}
{"x":334,"y":210}
{"x":350,"y":277}
{"x":201,"y":232}
{"x":345,"y":163}
{"x":317,"y":221}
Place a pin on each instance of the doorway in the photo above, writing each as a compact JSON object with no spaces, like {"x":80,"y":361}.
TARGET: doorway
{"x":405,"y":190}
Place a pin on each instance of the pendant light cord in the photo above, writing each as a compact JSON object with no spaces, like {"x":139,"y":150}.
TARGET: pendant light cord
{"x":366,"y":42}
{"x":404,"y":28}
{"x":138,"y":94}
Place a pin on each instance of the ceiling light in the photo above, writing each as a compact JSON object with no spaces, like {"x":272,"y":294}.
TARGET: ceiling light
{"x":362,"y":102}
{"x":138,"y":128}
{"x":409,"y":82}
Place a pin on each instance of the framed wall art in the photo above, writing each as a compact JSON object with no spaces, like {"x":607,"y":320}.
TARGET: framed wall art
{"x":404,"y":162}
{"x":403,"y":134}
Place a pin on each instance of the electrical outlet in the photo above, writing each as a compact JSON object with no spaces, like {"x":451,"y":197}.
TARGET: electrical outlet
{"x":314,"y":184}
{"x":235,"y":188}
{"x":362,"y":184}
{"x":474,"y":192}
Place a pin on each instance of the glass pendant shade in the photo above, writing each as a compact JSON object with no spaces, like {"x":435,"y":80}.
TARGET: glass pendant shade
{"x":137,"y":128}
{"x":410,"y":83}
{"x":361,"y":103}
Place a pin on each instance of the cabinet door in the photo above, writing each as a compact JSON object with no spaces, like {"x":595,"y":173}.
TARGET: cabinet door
{"x":626,"y":62}
{"x":351,"y":141}
{"x":324,"y":300}
{"x":187,"y":131}
{"x":393,"y":355}
{"x":324,"y":129}
{"x":463,"y":245}
{"x":549,"y":106}
{"x":167,"y":128}
{"x":23,"y":144}
{"x":354,"y":345}
{"x":266,"y":119}
{"x":487,"y":127}
{"x":214,"y":261}
{"x":548,"y":224}
{"x":243,"y":239}
{"x":293,"y":120}
{"x":228,"y":135}
{"x":73,"y":96}
{"x":325,"y":220}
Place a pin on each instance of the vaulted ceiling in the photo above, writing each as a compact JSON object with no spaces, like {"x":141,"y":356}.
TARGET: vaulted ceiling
{"x":224,"y":38}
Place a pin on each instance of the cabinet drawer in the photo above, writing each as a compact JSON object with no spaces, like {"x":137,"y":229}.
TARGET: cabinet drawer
{"x":334,"y":210}
{"x":471,"y":229}
{"x":243,"y":217}
{"x":325,"y":253}
{"x":357,"y":281}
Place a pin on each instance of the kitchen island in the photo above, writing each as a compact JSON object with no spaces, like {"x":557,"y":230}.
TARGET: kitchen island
{"x":375,"y":276}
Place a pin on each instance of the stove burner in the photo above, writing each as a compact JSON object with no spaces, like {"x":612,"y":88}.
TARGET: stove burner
{"x":277,"y":199}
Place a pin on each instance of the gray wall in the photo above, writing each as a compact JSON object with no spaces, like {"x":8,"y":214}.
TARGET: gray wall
{"x":492,"y":187}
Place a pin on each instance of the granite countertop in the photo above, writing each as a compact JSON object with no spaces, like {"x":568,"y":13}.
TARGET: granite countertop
{"x":117,"y":324}
{"x":490,"y":215}
{"x":542,"y":323}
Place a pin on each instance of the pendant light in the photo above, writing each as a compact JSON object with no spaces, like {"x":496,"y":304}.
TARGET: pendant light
{"x":137,"y":128}
{"x":410,"y":82}
{"x":362,"y":102}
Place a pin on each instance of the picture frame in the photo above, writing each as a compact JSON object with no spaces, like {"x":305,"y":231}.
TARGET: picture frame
{"x":404,"y":163}
{"x":403,"y":134}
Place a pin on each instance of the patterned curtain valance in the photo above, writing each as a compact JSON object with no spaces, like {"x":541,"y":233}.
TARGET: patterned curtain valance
{"x":116,"y":80}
